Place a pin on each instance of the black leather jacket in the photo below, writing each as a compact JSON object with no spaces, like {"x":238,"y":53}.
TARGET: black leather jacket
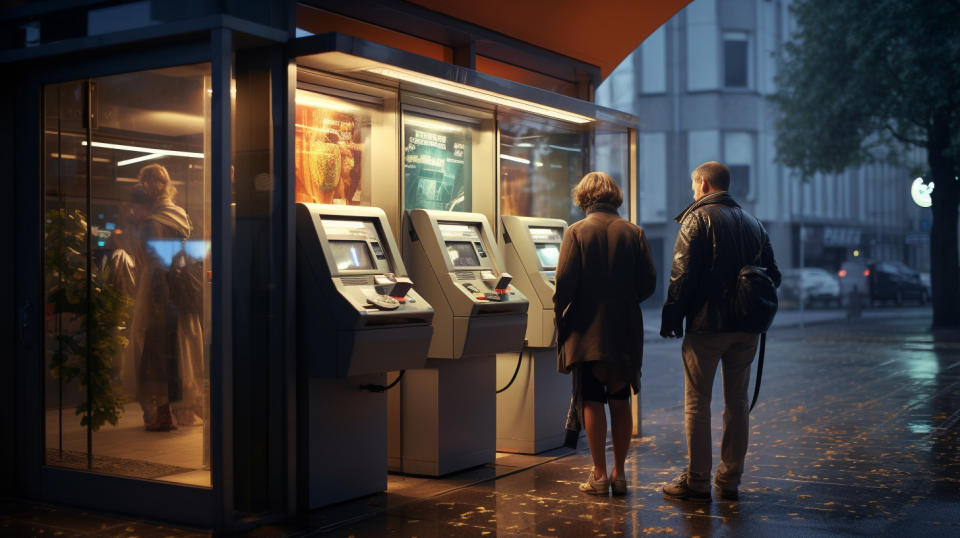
{"x":716,"y":239}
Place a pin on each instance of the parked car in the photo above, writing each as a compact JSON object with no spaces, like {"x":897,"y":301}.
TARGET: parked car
{"x":813,"y":284}
{"x":925,"y":280}
{"x":882,"y":281}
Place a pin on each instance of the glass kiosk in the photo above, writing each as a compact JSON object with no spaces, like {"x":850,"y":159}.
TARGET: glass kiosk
{"x":358,"y":318}
{"x":448,"y":410}
{"x":530,"y":411}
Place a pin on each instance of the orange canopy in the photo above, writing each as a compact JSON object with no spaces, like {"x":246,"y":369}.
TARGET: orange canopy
{"x":599,"y":32}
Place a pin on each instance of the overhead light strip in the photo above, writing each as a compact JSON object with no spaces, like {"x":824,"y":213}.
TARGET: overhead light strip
{"x":141,"y":158}
{"x":520,"y":160}
{"x":170,"y":152}
{"x":481,"y":95}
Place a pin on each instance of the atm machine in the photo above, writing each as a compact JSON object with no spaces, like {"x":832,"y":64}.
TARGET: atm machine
{"x":358,"y":317}
{"x":531,"y":411}
{"x":447,"y":411}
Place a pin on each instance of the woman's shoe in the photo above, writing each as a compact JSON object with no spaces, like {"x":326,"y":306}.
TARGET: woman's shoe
{"x":595,"y":487}
{"x":163,"y":422}
{"x":619,"y":485}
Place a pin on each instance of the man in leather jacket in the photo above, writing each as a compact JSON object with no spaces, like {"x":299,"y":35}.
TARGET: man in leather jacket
{"x":716,"y":239}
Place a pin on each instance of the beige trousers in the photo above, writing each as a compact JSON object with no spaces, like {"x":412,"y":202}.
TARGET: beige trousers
{"x":702,"y":352}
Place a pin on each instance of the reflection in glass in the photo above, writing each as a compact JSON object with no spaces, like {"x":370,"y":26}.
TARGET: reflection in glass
{"x":462,"y":254}
{"x":548,"y":253}
{"x":540,"y":163}
{"x":351,"y":254}
{"x":126,"y":239}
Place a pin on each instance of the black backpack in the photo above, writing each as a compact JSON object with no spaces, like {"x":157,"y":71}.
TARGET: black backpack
{"x":755,"y":304}
{"x":754,"y":299}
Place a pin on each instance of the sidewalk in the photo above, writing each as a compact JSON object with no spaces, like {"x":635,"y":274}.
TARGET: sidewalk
{"x":796,"y":318}
{"x":857,"y":432}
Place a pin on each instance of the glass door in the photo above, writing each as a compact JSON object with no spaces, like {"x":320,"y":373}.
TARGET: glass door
{"x":126,"y":243}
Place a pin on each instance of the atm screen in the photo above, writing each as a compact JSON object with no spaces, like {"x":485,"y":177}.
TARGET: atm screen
{"x":548,"y":253}
{"x":462,"y":254}
{"x":351,"y":254}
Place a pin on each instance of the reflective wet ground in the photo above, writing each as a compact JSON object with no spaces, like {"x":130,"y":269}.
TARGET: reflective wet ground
{"x":857,"y":432}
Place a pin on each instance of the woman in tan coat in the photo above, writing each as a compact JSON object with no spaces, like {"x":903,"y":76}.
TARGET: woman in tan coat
{"x":605,"y":270}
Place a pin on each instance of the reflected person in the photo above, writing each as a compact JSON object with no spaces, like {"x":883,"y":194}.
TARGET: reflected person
{"x":604,"y":271}
{"x":166,"y":334}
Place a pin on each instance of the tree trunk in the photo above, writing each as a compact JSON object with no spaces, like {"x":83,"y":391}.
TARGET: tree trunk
{"x":944,"y":261}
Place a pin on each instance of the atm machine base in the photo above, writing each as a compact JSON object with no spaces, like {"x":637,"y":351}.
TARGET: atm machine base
{"x":347,"y":439}
{"x":448,"y":413}
{"x":531,"y":413}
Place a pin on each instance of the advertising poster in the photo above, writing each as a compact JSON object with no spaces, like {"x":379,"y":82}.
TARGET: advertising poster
{"x":329,"y":155}
{"x":436,"y":167}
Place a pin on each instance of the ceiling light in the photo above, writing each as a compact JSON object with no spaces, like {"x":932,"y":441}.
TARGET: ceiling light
{"x":481,"y":95}
{"x":170,"y":152}
{"x":314,"y":99}
{"x":141,"y":158}
{"x":514,"y":159}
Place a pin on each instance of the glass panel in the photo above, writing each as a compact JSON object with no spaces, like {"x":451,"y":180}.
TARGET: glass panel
{"x":611,"y":151}
{"x":65,"y":275}
{"x":127,"y":351}
{"x":333,"y":149}
{"x":437,"y":164}
{"x":540,"y":163}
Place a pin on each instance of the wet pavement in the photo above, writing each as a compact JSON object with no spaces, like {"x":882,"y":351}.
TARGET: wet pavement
{"x":857,"y":432}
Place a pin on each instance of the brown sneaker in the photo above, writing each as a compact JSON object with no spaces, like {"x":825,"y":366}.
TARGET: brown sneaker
{"x":680,"y":490}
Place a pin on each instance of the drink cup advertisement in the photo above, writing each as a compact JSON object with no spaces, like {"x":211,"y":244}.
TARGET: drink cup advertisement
{"x":329,"y":154}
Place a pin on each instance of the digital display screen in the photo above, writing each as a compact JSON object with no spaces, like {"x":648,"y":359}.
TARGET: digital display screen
{"x":462,"y":254}
{"x":548,"y":253}
{"x":351,"y":255}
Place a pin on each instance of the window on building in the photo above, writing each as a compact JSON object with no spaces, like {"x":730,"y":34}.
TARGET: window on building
{"x":738,"y":154}
{"x":736,"y":48}
{"x":654,"y":63}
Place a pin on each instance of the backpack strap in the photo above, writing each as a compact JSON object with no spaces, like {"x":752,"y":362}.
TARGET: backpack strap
{"x":756,"y":388}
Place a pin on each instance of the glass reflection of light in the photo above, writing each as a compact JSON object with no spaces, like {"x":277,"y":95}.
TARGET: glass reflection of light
{"x":923,"y":368}
{"x":197,"y":248}
{"x":165,"y":249}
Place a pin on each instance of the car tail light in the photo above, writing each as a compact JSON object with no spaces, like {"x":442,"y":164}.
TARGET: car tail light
{"x":842,"y":273}
{"x":866,"y":272}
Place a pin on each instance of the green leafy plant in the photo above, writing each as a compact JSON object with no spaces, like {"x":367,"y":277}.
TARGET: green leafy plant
{"x":105,"y":314}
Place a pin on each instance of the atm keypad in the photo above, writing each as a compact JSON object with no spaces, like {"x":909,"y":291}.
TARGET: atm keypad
{"x":384,"y":302}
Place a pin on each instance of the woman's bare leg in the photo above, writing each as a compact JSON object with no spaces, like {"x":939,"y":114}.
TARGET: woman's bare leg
{"x":595,"y":424}
{"x":621,"y":424}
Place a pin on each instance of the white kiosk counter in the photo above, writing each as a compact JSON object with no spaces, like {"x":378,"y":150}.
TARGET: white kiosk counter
{"x":448,"y":410}
{"x":358,"y":317}
{"x":531,"y":412}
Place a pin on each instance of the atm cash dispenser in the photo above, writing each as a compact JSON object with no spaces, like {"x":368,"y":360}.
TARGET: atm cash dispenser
{"x":530,"y":412}
{"x":448,"y":410}
{"x":358,"y":317}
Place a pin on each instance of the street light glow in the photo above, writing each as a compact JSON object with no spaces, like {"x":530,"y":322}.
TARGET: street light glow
{"x":921,"y":192}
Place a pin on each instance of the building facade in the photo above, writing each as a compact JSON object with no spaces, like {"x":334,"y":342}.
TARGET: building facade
{"x":700,"y":85}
